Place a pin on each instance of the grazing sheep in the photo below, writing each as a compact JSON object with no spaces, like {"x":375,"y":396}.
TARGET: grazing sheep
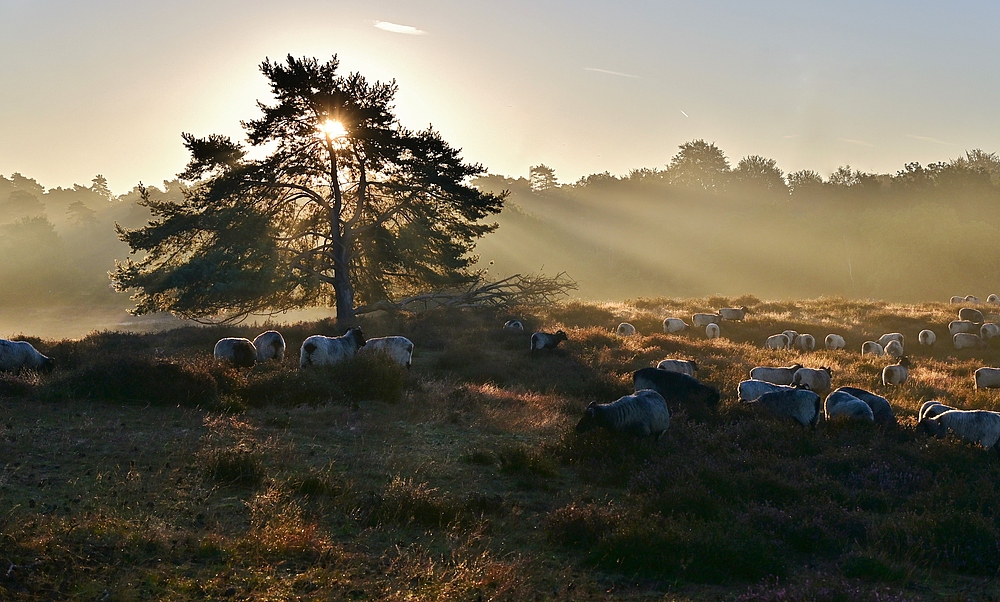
{"x":680,"y":390}
{"x":972,"y":299}
{"x":776,"y":375}
{"x":801,"y":405}
{"x":733,"y":313}
{"x":776,"y":341}
{"x":965,"y":340}
{"x":816,"y":380}
{"x":792,"y":335}
{"x":932,"y":408}
{"x":625,"y":330}
{"x":955,"y":299}
{"x":993,"y":299}
{"x":545,"y":340}
{"x":20,"y":355}
{"x":238,"y":351}
{"x":890,"y":336}
{"x":974,"y":426}
{"x":688,"y":367}
{"x":703,"y":320}
{"x":270,"y":346}
{"x":805,"y":342}
{"x":894,"y":349}
{"x":712,"y":331}
{"x":750,"y":390}
{"x":872,"y":348}
{"x":989,"y":331}
{"x":971,"y":315}
{"x":881,"y":409}
{"x":958,"y":326}
{"x":896,"y":374}
{"x":988,"y":378}
{"x":514,"y":325}
{"x":319,"y":350}
{"x":642,"y":414}
{"x":673,"y":325}
{"x":398,"y":348}
{"x":842,"y":403}
{"x":927,"y":338}
{"x":834,"y":341}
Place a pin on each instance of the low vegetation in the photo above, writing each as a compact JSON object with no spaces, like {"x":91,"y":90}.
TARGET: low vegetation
{"x":143,"y":469}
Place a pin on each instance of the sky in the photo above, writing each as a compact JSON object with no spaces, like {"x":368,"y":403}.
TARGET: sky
{"x":108,"y":86}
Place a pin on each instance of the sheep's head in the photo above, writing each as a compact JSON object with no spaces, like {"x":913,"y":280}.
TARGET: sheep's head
{"x":933,"y":426}
{"x":828,"y":371}
{"x":904,"y":362}
{"x":48,"y":364}
{"x":561,"y":336}
{"x":358,"y":336}
{"x":712,"y":396}
{"x":244,"y":354}
{"x":590,"y":418}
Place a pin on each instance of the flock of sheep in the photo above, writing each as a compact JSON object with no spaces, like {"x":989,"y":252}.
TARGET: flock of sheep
{"x":316,"y":350}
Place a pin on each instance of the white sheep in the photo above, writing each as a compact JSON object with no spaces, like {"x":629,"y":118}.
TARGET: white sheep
{"x":703,"y":320}
{"x":625,"y":330}
{"x":834,"y":341}
{"x":750,"y":390}
{"x":270,"y":345}
{"x":955,"y":299}
{"x":776,"y":375}
{"x":801,"y":405}
{"x":927,"y":338}
{"x":688,"y":367}
{"x":16,"y":356}
{"x":673,"y":325}
{"x":805,"y":342}
{"x":957,"y":326}
{"x":932,"y":408}
{"x":988,"y":378}
{"x":881,"y":409}
{"x":894,"y":349}
{"x":971,"y":315}
{"x":972,"y":299}
{"x":989,"y":330}
{"x":733,"y":313}
{"x":641,"y":414}
{"x":890,"y":336}
{"x":993,"y":299}
{"x":965,"y":340}
{"x":842,"y":403}
{"x":319,"y":350}
{"x":896,"y":374}
{"x":817,"y":380}
{"x":712,"y":331}
{"x":872,"y":348}
{"x":792,"y":335}
{"x":238,"y":351}
{"x":514,"y":325}
{"x":400,"y":349}
{"x":974,"y":426}
{"x":777,"y":341}
{"x":545,"y":340}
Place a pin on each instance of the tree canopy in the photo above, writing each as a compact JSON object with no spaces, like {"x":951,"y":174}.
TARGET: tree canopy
{"x":348,"y":207}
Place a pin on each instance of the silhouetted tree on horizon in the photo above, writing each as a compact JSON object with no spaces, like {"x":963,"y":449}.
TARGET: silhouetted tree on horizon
{"x":699,"y":165}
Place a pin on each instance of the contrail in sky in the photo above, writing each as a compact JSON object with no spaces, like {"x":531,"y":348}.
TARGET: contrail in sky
{"x":684,"y":114}
{"x":618,"y":73}
{"x":929,"y":139}
{"x":397,"y":28}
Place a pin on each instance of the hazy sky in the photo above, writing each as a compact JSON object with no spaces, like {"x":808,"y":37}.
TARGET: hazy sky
{"x":107,"y":86}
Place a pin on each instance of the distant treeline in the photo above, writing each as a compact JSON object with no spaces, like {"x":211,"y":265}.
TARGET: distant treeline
{"x":700,"y":226}
{"x":57,"y":245}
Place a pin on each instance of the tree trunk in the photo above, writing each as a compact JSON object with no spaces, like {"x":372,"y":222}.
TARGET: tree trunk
{"x":343,"y":289}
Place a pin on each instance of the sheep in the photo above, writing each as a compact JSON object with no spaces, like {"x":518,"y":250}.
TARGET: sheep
{"x":932,"y":408}
{"x":927,"y":338}
{"x":545,"y":340}
{"x":805,"y":342}
{"x":971,"y":315}
{"x":625,"y":330}
{"x":514,"y":325}
{"x":995,"y":300}
{"x":894,"y":349}
{"x":778,"y":375}
{"x":816,"y":380}
{"x":750,"y":390}
{"x":842,"y":403}
{"x":965,"y":340}
{"x":16,"y":356}
{"x":776,"y":341}
{"x":319,"y":350}
{"x":688,"y":367}
{"x":988,"y":378}
{"x":238,"y":351}
{"x":641,"y":414}
{"x":703,"y":320}
{"x":834,"y":342}
{"x":733,"y":313}
{"x":680,"y":390}
{"x":989,"y":330}
{"x":712,"y":331}
{"x":890,"y":336}
{"x":955,"y":300}
{"x":673,"y":325}
{"x":270,"y":345}
{"x":896,"y":374}
{"x":957,"y":326}
{"x":801,"y":405}
{"x":398,"y":348}
{"x":872,"y":348}
{"x":792,"y":335}
{"x":974,"y":426}
{"x":972,"y":299}
{"x":881,"y":410}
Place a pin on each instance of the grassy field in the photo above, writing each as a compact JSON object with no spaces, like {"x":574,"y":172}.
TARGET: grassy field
{"x":141,"y":469}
